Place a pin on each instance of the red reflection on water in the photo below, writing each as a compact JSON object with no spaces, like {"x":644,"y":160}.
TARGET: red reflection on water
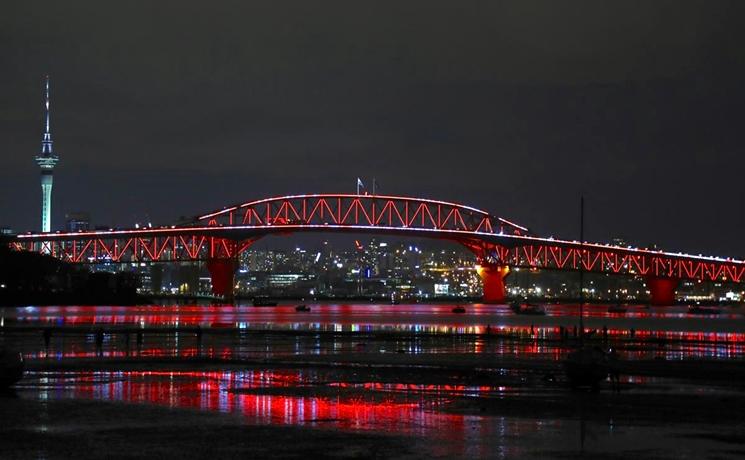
{"x":437,"y":389}
{"x":433,"y":316}
{"x":228,"y":314}
{"x":540,"y":335}
{"x":150,"y":352}
{"x":228,"y":391}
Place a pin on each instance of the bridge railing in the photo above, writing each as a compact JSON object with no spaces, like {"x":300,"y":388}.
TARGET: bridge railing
{"x":511,"y":250}
{"x":566,"y":255}
{"x":125,"y":249}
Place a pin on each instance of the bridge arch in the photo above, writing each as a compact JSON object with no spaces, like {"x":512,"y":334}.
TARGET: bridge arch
{"x":360,"y":213}
{"x":369,"y":214}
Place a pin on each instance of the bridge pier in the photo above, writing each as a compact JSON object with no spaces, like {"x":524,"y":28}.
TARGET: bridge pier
{"x":222,"y":272}
{"x":492,"y":276}
{"x":661,"y":290}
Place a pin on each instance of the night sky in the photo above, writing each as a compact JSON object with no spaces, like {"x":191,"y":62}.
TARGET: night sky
{"x":163,"y":109}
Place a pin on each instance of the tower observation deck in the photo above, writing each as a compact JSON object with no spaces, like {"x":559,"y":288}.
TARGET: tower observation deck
{"x":46,"y":160}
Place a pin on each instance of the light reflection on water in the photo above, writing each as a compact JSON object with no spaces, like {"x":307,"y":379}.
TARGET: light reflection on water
{"x":678,"y":334}
{"x":268,"y":398}
{"x":402,"y":408}
{"x":227,"y":345}
{"x":276,"y":398}
{"x":263,"y":345}
{"x":420,"y":315}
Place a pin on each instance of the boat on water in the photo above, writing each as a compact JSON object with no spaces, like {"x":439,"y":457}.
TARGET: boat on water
{"x":528,"y":309}
{"x":459,"y":309}
{"x":302,"y":308}
{"x":264,"y":302}
{"x":11,"y":367}
{"x":699,"y":310}
{"x":532,"y":309}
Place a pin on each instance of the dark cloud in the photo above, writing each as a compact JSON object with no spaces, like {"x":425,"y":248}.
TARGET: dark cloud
{"x":172,"y":108}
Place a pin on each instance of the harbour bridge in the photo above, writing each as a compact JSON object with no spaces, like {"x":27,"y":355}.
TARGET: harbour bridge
{"x":219,"y":237}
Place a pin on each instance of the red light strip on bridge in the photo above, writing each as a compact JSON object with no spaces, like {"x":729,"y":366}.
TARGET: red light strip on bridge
{"x":347,"y":195}
{"x":366,"y":228}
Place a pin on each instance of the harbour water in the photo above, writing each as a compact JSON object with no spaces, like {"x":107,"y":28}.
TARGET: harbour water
{"x":403,"y":381}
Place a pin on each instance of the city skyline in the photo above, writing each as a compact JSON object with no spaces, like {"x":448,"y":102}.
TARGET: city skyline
{"x":385,"y":267}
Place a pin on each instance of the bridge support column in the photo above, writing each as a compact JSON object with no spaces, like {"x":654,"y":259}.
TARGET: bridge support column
{"x":661,"y":290}
{"x":493,"y":277}
{"x":222,"y":272}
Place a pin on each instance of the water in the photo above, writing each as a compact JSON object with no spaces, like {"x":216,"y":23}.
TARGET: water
{"x":686,"y":336}
{"x":437,"y":316}
{"x":429,"y":381}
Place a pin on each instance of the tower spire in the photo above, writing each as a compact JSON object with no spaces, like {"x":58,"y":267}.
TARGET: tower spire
{"x":46,"y":142}
{"x":46,"y":160}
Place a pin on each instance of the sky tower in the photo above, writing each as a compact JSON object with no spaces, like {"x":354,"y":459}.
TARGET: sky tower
{"x":46,"y":160}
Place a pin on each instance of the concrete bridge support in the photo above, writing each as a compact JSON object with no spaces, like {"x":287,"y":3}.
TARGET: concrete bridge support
{"x":222,"y":272}
{"x":493,"y":275}
{"x":661,"y":290}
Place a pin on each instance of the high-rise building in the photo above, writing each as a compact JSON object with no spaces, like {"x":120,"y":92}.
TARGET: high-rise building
{"x":46,"y":160}
{"x":77,"y":222}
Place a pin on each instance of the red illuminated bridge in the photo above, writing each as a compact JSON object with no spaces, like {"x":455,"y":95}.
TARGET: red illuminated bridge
{"x":219,"y":237}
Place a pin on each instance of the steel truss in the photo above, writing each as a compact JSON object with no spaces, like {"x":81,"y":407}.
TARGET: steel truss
{"x":608,"y":259}
{"x":496,"y":241}
{"x":114,"y":249}
{"x":362,"y":211}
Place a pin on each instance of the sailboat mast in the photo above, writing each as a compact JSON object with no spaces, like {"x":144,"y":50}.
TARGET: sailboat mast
{"x":581,"y":267}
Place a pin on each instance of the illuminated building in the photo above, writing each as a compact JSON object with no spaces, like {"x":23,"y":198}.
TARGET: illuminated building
{"x":46,"y":160}
{"x":77,"y":222}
